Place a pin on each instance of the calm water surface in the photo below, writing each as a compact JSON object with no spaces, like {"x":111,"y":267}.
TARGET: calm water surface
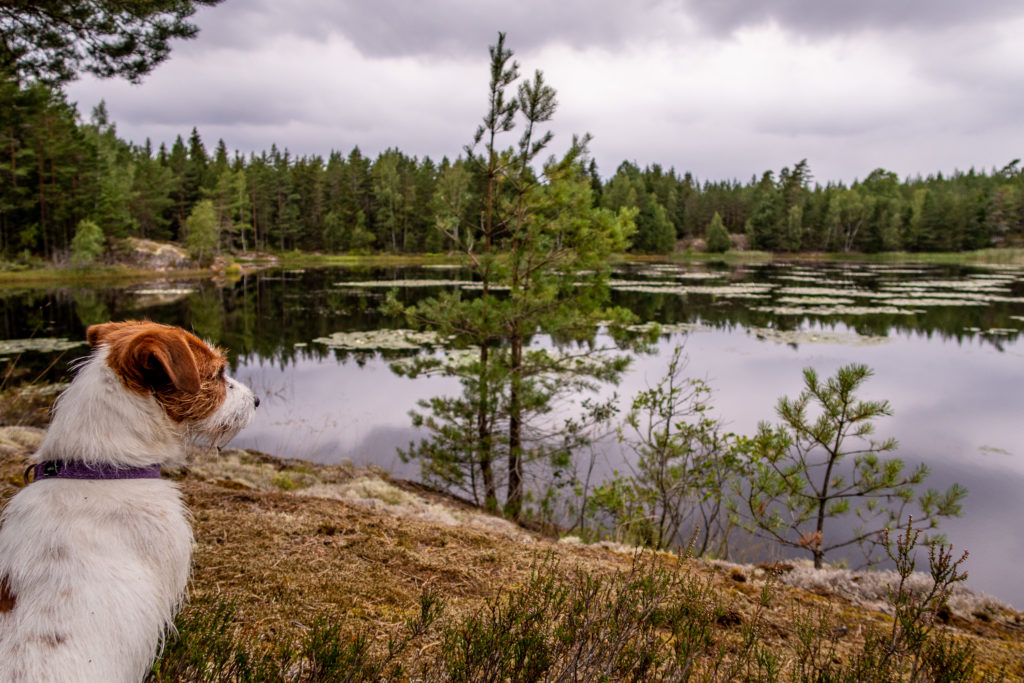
{"x":945,"y":344}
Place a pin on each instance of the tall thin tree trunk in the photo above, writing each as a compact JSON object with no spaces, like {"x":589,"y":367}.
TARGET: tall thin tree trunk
{"x":484,"y":450}
{"x":42,"y":202}
{"x":514,"y":501}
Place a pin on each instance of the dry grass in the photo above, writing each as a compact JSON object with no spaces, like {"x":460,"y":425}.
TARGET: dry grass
{"x":349,"y":546}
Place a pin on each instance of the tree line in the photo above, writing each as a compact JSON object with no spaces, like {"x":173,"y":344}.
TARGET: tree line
{"x":57,"y":170}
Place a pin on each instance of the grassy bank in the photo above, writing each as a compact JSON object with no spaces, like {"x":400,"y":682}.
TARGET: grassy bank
{"x":1011,"y":256}
{"x":113,"y":275}
{"x":314,"y":573}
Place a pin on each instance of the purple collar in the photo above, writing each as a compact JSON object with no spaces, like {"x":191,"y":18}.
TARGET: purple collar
{"x":74,"y":469}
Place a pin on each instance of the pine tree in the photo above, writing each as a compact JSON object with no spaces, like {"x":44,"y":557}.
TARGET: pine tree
{"x":115,"y":173}
{"x":52,"y":41}
{"x":151,"y":195}
{"x":764,"y":223}
{"x":556,"y":245}
{"x":792,"y":235}
{"x":821,"y":463}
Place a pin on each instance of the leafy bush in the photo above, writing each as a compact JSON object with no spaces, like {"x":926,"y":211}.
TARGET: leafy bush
{"x":683,"y":463}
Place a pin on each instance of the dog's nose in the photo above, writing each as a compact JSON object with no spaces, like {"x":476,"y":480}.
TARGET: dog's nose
{"x":256,"y":400}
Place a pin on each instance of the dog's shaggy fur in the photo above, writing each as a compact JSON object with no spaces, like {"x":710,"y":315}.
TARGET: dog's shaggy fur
{"x":93,"y":571}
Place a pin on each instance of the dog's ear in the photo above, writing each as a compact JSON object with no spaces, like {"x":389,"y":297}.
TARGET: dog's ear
{"x":166,"y":357}
{"x":96,"y":334}
{"x":149,"y":356}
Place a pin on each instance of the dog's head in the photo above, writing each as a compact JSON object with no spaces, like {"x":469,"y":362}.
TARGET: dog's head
{"x":186,"y":376}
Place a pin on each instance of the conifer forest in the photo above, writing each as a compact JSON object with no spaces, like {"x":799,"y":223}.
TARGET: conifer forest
{"x":58,"y":169}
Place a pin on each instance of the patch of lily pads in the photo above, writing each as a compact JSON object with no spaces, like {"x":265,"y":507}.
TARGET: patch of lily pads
{"x":824,"y":292}
{"x":670,"y":328}
{"x":970,"y":285}
{"x":447,"y":361}
{"x":164,"y":291}
{"x":935,"y":302}
{"x":677,"y":274}
{"x":383,"y":340}
{"x":814,"y":301}
{"x":408,"y":283}
{"x":835,"y":310}
{"x":815,"y":337}
{"x":10,"y":347}
{"x":745,"y":290}
{"x":161,"y":296}
{"x":817,"y":279}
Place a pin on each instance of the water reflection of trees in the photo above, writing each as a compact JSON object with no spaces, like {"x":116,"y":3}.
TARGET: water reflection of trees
{"x":274,"y":315}
{"x":948,"y":322}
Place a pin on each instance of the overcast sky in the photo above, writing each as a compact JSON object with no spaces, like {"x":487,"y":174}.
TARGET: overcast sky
{"x":724,"y":89}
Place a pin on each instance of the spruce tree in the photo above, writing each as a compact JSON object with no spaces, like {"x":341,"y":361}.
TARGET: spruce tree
{"x":716,"y":236}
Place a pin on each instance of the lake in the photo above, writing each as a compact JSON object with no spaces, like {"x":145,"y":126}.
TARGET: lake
{"x":945,"y":344}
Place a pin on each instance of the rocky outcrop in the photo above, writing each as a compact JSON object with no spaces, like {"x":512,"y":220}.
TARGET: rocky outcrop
{"x":151,"y":255}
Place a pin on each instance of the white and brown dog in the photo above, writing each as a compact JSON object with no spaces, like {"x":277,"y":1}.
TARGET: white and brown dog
{"x":95,"y":553}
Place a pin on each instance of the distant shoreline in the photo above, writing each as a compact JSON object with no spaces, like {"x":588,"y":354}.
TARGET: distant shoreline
{"x":57,"y":275}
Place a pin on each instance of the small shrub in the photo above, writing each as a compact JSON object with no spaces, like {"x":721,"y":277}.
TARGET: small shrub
{"x":284,"y":481}
{"x":210,"y":647}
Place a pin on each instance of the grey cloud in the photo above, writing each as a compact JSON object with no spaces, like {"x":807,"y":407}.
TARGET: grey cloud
{"x":243,"y":109}
{"x":818,"y":17}
{"x":838,"y":124}
{"x":441,"y":28}
{"x":958,"y":108}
